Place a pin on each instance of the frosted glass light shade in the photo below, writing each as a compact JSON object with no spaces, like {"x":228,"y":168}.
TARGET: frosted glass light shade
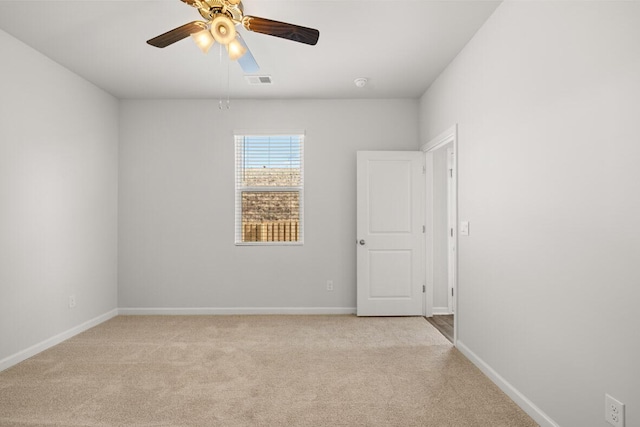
{"x":235,"y":49}
{"x":204,"y":40}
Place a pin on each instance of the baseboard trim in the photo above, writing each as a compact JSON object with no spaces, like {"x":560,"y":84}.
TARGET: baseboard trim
{"x":233,"y":310}
{"x":520,"y":399}
{"x":20,"y":356}
{"x":441,"y":310}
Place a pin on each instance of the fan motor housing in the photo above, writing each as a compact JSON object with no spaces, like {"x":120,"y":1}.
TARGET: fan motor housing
{"x":210,"y":8}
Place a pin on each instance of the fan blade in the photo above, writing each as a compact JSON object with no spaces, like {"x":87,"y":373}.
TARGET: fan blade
{"x":281,"y":29}
{"x":177,"y":34}
{"x":247,"y":62}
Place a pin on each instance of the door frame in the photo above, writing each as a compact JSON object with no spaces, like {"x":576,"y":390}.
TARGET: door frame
{"x":448,"y":136}
{"x":451,"y":224}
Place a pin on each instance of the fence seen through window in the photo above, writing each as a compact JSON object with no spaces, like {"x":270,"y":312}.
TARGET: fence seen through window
{"x":269,"y":189}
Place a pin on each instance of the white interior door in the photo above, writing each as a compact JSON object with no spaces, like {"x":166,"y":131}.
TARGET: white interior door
{"x":390,"y":221}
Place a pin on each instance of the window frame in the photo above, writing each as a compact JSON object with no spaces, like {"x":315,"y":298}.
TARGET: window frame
{"x":239,"y":189}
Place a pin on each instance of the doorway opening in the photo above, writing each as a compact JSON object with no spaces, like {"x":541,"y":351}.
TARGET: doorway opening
{"x":443,"y":323}
{"x":441,"y":233}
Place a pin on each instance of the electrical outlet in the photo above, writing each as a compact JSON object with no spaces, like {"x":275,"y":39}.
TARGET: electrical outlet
{"x":72,"y":301}
{"x":613,"y":411}
{"x":329,"y":285}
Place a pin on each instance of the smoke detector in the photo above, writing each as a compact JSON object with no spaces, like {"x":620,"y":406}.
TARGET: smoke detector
{"x":360,"y":82}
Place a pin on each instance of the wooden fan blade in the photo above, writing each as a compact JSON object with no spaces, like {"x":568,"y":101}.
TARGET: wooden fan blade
{"x":281,"y":29}
{"x":177,"y":34}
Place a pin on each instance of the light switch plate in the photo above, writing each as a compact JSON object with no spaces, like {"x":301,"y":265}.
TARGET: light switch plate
{"x":464,"y":228}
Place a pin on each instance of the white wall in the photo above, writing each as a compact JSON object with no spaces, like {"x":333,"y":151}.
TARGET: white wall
{"x":58,"y":195}
{"x":547,"y":101}
{"x":176,"y":211}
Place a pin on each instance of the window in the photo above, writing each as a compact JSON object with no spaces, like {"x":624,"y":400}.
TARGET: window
{"x":269,"y":189}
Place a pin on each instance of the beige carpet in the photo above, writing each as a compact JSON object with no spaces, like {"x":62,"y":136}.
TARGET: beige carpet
{"x":254,"y":371}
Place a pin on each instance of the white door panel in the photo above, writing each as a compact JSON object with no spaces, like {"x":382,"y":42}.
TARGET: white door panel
{"x":389,"y":196}
{"x":390,"y":240}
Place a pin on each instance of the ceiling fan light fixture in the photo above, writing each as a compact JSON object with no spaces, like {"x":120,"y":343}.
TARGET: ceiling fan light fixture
{"x":203,"y":39}
{"x":235,"y":49}
{"x":222,"y":29}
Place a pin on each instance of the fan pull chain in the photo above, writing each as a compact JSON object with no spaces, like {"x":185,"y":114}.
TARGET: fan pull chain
{"x":221,"y":76}
{"x":228,"y":103}
{"x":228,"y":84}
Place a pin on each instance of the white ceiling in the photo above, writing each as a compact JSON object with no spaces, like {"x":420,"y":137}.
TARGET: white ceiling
{"x":399,"y":45}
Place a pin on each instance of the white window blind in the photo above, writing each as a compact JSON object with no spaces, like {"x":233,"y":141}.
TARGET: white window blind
{"x":269,"y":189}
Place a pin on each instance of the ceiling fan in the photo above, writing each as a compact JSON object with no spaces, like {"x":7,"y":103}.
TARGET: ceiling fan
{"x":221,"y":18}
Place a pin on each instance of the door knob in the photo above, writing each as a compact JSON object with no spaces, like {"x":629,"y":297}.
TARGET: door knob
{"x":361,"y":242}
